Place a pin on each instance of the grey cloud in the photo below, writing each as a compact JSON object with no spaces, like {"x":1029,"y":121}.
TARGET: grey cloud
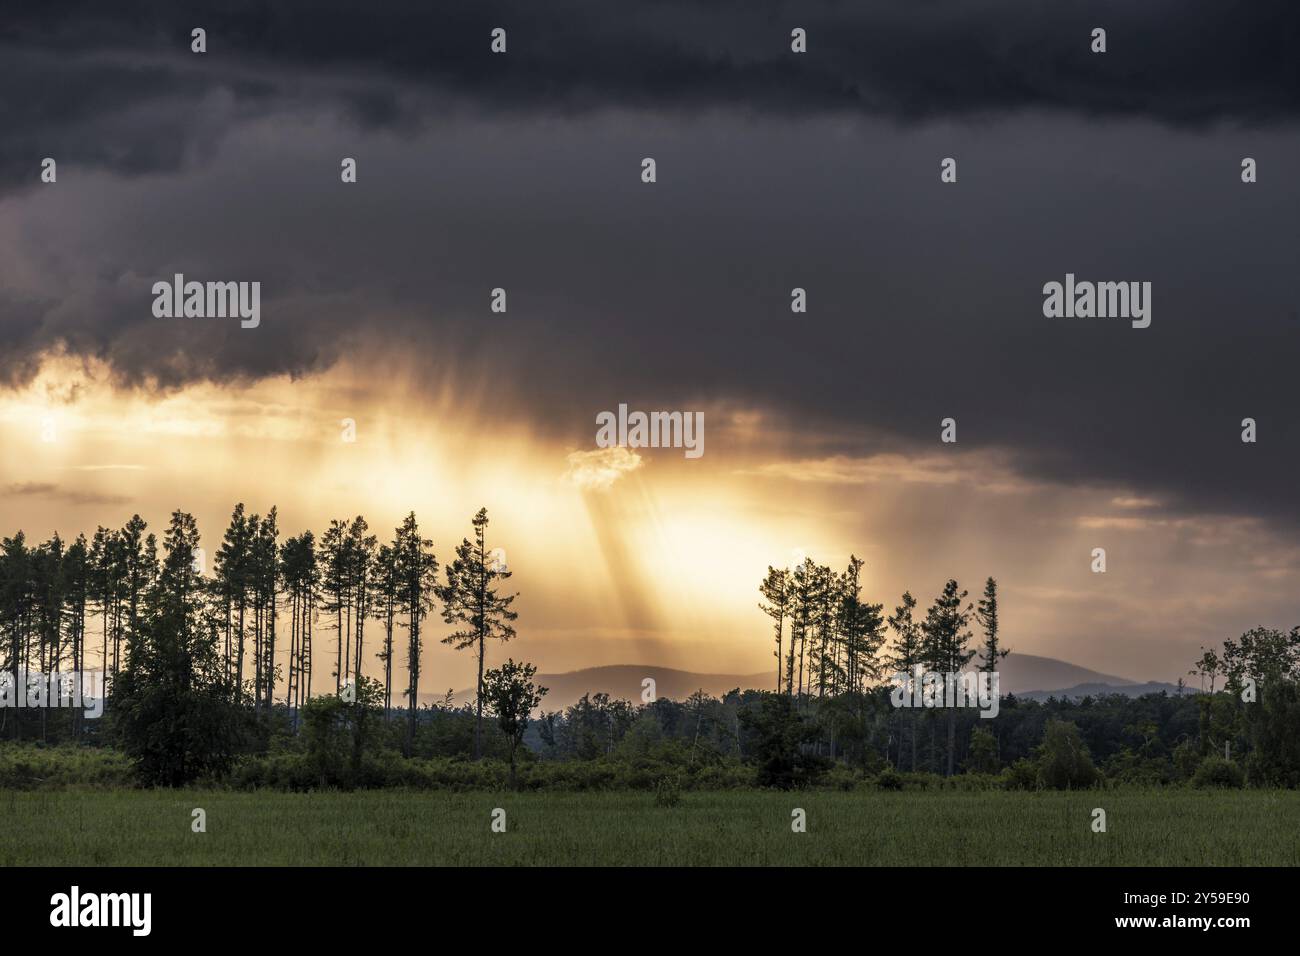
{"x":91,"y":69}
{"x":40,"y":489}
{"x":924,"y":299}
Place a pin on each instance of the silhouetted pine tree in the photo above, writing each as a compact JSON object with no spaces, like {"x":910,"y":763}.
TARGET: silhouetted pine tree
{"x":776,"y":591}
{"x":470,"y":599}
{"x":417,"y":568}
{"x":945,"y":637}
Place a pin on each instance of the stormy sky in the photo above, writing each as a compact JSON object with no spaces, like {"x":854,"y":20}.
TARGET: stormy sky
{"x":774,"y":170}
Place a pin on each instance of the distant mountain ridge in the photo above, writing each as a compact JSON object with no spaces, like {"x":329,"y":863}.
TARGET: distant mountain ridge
{"x":624,"y":680}
{"x":1099,"y":690}
{"x":1021,"y":674}
{"x":1025,"y":675}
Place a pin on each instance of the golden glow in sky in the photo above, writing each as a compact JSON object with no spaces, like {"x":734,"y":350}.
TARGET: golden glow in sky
{"x":627,"y":556}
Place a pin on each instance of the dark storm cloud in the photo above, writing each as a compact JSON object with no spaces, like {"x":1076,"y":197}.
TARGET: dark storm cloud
{"x":925,"y":299}
{"x":20,"y":328}
{"x":83,"y":70}
{"x":775,"y":171}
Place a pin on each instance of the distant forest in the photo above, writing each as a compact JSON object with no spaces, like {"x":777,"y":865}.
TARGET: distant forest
{"x":295,"y":664}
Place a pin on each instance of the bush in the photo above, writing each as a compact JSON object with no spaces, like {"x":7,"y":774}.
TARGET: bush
{"x":889,"y":779}
{"x":777,"y":735}
{"x":1217,"y":772}
{"x":920,"y":780}
{"x":1021,"y":775}
{"x":1063,"y":759}
{"x":730,"y":775}
{"x":33,"y":767}
{"x":974,"y":782}
{"x":176,"y":711}
{"x":1187,"y":758}
{"x":983,"y":753}
{"x":668,"y":792}
{"x":1135,"y":769}
{"x":1273,"y":730}
{"x":892,"y":780}
{"x":840,"y":777}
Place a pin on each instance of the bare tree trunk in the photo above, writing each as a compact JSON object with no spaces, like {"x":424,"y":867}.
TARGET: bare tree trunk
{"x":290,"y":688}
{"x":388,"y":663}
{"x":952,"y":737}
{"x":239,"y":652}
{"x":347,"y":657}
{"x":338,"y":662}
{"x":257,"y":650}
{"x":270,"y":649}
{"x":414,"y":666}
{"x":478,"y":723}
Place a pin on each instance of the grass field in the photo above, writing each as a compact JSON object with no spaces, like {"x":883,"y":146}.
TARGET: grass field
{"x":1171,"y":827}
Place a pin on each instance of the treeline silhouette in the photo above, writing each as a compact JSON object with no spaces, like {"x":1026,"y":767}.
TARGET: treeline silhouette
{"x":842,"y":638}
{"x":257,"y":674}
{"x":225,"y":632}
{"x":833,"y":649}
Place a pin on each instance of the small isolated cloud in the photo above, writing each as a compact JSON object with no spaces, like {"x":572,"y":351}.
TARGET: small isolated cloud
{"x":597,"y":470}
{"x":844,"y":470}
{"x":1109,"y":523}
{"x":36,"y":488}
{"x":107,"y":467}
{"x":44,"y":489}
{"x":980,"y":471}
{"x":1125,"y":501}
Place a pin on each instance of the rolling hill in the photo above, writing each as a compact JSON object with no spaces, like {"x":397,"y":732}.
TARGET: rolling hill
{"x":1021,"y":674}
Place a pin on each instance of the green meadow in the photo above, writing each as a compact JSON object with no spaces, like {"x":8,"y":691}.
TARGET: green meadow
{"x":1166,"y":827}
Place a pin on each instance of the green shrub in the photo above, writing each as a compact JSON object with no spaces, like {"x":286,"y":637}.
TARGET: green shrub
{"x":1217,"y":772}
{"x":922,"y":781}
{"x":33,"y":767}
{"x":974,"y":782}
{"x":840,"y":777}
{"x":729,"y":775}
{"x":1021,"y":775}
{"x":1187,"y":757}
{"x":1063,"y":759}
{"x":1135,"y":769}
{"x":983,"y":753}
{"x":1273,"y":732}
{"x":888,"y":779}
{"x":668,"y":791}
{"x":777,"y":735}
